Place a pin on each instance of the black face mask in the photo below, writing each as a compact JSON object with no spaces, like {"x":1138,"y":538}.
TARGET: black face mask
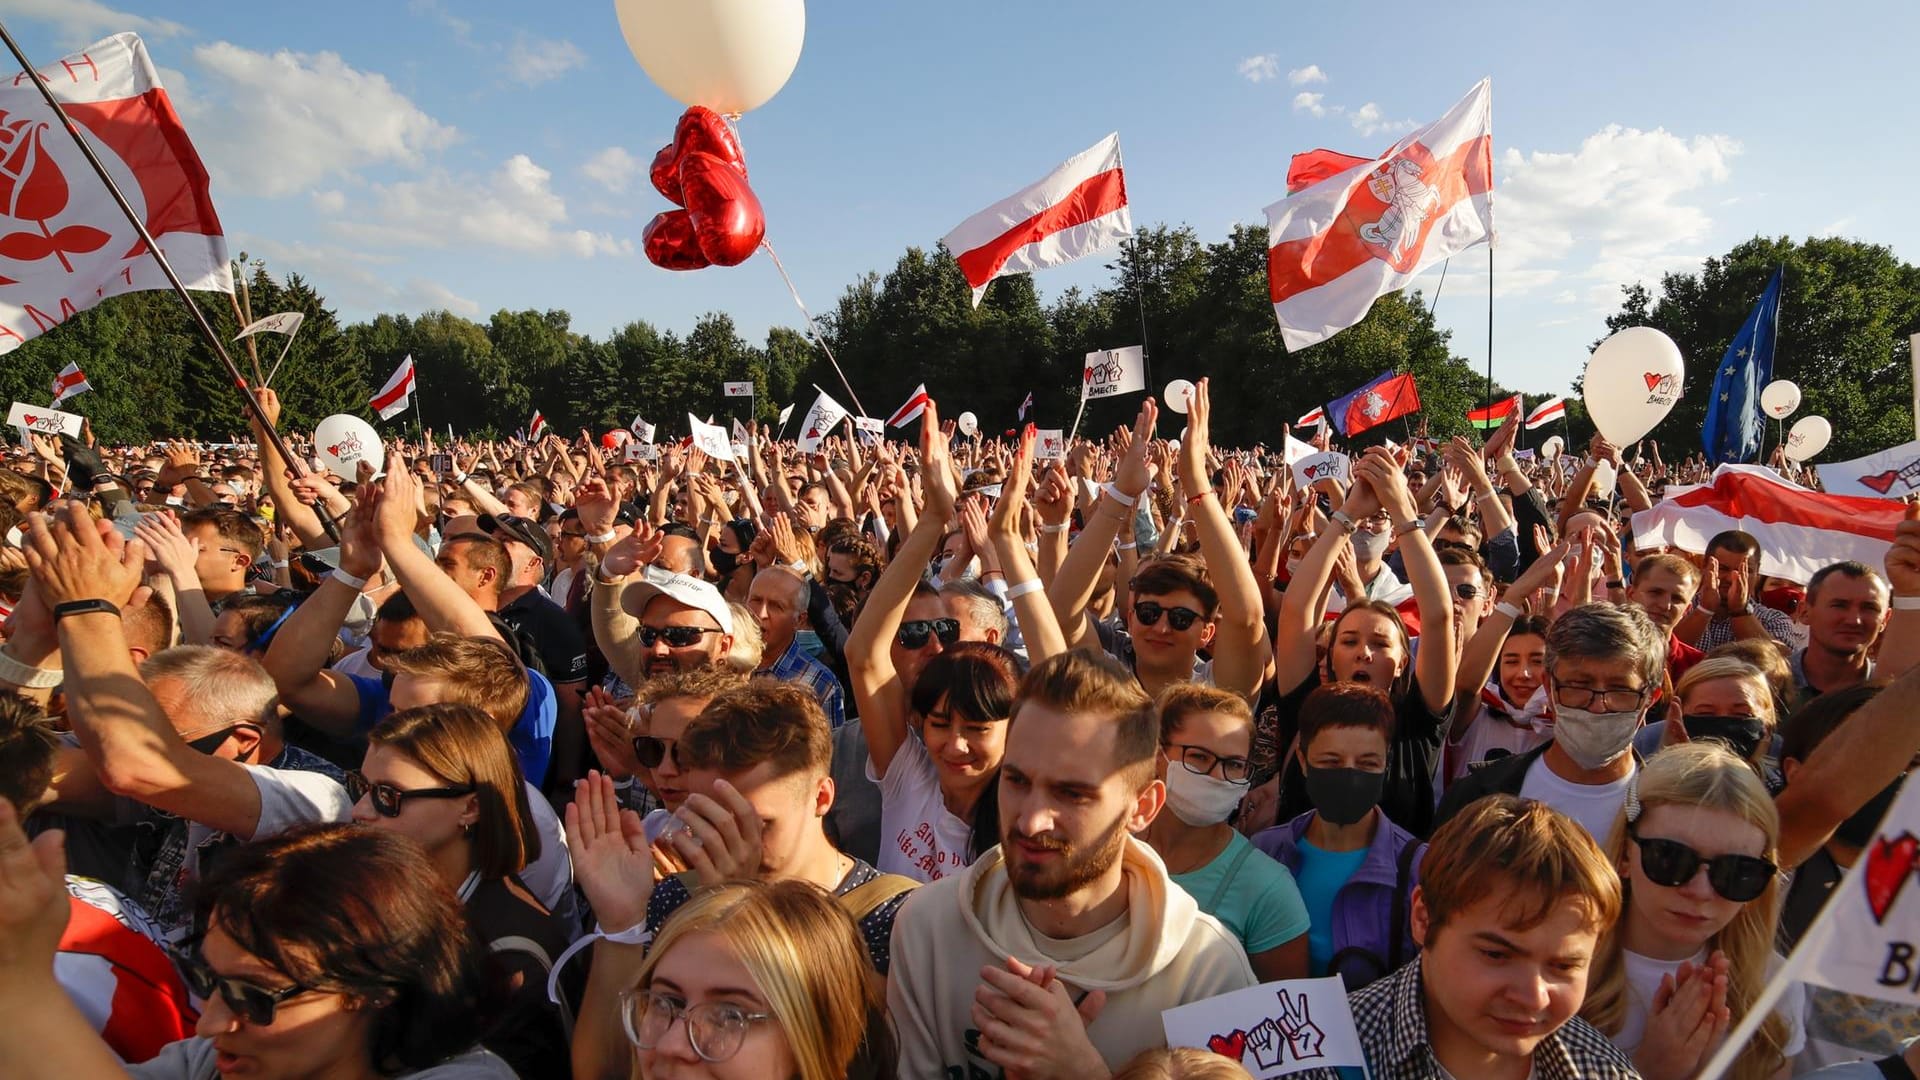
{"x":724,"y":562}
{"x":1343,"y":796}
{"x":1857,"y":830}
{"x":1741,"y":734}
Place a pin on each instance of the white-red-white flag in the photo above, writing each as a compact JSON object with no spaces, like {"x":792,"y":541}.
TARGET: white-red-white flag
{"x":905,"y":414}
{"x":64,"y":244}
{"x":1075,"y":210}
{"x":1340,"y":244}
{"x":1316,"y":417}
{"x":393,"y":398}
{"x":69,"y":382}
{"x":1546,"y":412}
{"x":537,"y":428}
{"x":1800,"y":530}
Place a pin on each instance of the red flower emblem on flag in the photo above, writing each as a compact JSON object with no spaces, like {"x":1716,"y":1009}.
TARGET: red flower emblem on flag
{"x":33,"y":189}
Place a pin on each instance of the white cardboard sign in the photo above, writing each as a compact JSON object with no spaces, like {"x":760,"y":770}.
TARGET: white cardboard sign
{"x":44,"y":421}
{"x":1325,"y":465}
{"x":1275,"y":1029}
{"x":1050,"y":444}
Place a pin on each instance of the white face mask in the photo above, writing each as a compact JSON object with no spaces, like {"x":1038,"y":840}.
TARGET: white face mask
{"x":1369,"y":546}
{"x":1293,"y":568}
{"x":1200,"y":800}
{"x":1594,"y":740}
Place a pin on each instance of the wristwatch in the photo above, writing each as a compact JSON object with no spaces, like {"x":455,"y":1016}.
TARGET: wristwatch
{"x":83,"y":607}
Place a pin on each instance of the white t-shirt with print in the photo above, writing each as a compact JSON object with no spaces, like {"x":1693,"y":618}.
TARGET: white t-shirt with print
{"x":919,"y":837}
{"x":1597,"y":806}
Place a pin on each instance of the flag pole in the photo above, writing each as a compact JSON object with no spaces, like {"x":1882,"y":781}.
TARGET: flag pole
{"x":1489,"y":321}
{"x":199,"y":317}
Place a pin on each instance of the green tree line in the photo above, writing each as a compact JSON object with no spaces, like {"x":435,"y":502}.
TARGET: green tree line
{"x":1201,"y":308}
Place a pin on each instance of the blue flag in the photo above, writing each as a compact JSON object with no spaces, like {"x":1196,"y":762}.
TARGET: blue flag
{"x":1732,"y":432}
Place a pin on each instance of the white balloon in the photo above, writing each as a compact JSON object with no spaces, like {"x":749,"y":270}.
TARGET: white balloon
{"x":1808,"y":436}
{"x":1632,"y":381}
{"x":730,"y":55}
{"x":1780,"y":398}
{"x":342,"y":442}
{"x":1178,"y":395}
{"x":1552,"y":447}
{"x":969,"y":423}
{"x":1604,"y":479}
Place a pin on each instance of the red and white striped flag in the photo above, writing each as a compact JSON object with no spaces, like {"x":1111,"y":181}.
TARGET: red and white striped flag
{"x":537,"y":428}
{"x":1025,"y":405}
{"x":905,"y":414}
{"x":393,"y":398}
{"x":1316,"y":417}
{"x":1546,"y":412}
{"x":1800,"y":530}
{"x":69,"y":382}
{"x":1073,"y":211}
{"x":1340,"y":244}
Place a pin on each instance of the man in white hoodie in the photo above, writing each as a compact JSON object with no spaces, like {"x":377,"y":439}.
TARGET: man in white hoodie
{"x":1054,"y":954}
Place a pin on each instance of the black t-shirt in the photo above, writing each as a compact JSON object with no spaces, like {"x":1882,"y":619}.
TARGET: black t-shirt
{"x":1411,"y":755}
{"x":563,"y":650}
{"x":522,"y":940}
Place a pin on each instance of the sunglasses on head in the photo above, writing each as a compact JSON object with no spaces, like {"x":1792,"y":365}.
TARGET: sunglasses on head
{"x":678,"y":637}
{"x":388,"y":800}
{"x":251,"y":1002}
{"x":1738,"y":878}
{"x":1149,"y":612}
{"x":915,"y":633}
{"x":651,"y":750}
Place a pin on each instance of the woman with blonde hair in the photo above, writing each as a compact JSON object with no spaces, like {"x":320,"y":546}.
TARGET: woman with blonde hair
{"x":758,"y":979}
{"x":1181,"y":1063}
{"x":1725,"y":700}
{"x":1698,"y":848}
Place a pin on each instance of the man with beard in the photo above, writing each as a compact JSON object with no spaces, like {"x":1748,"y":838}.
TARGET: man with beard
{"x":1054,"y":954}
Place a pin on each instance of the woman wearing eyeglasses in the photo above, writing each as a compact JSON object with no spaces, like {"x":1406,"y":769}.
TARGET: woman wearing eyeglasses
{"x":757,"y":979}
{"x":444,"y":776}
{"x":323,"y":953}
{"x":1697,"y":846}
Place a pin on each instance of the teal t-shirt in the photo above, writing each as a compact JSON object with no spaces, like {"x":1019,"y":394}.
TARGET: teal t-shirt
{"x":1322,"y":873}
{"x":1259,"y":901}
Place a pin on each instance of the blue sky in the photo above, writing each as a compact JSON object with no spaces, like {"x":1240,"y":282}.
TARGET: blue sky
{"x":478,"y":154}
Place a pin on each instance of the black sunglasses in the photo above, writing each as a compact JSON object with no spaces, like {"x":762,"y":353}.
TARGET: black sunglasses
{"x":678,"y":637}
{"x":1466,"y":590}
{"x":1149,"y":612}
{"x":1739,"y":878}
{"x":208,"y":743}
{"x":253,"y":1003}
{"x":914,"y":633}
{"x":651,"y":750}
{"x":388,"y":799}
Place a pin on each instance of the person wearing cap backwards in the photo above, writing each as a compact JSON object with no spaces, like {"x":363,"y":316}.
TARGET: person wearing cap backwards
{"x":648,"y":620}
{"x":529,"y":612}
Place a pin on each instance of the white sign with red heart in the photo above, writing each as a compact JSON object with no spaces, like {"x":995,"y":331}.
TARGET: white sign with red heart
{"x":1050,"y":444}
{"x":42,"y":421}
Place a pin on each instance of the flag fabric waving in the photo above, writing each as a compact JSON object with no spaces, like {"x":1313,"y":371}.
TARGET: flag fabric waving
{"x":537,"y":428}
{"x":1075,"y":210}
{"x":642,"y":430}
{"x":1025,"y":405}
{"x":1554,"y":408}
{"x":393,"y":398}
{"x":1316,"y":417}
{"x":64,"y":244}
{"x":1800,"y":530}
{"x":1387,"y":397}
{"x":1495,"y":414}
{"x":785,"y":414}
{"x":1733,"y":427}
{"x":905,"y":414}
{"x":283,"y":322}
{"x":1335,"y":247}
{"x":1308,"y":169}
{"x":825,"y":415}
{"x":69,"y":382}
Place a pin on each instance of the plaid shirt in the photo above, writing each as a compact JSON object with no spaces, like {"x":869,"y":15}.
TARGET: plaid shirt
{"x":795,"y":666}
{"x":1778,"y":625}
{"x":1391,"y":1016}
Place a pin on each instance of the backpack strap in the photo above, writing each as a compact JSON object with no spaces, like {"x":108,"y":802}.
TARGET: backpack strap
{"x":526,"y":946}
{"x":870,"y":896}
{"x":1233,"y":870}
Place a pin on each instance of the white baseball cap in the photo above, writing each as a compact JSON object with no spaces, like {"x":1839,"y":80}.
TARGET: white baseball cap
{"x":681,"y":588}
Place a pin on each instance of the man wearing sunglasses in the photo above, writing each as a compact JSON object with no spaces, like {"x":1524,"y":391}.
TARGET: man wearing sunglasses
{"x":1471,"y":587}
{"x":656,"y":621}
{"x":229,"y":543}
{"x":1604,"y":664}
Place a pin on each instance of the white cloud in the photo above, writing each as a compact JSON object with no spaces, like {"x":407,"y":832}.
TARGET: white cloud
{"x":82,"y":22}
{"x":532,"y":61}
{"x":1306,"y":76}
{"x":1835,"y":228}
{"x":357,"y":283}
{"x":1626,"y":206}
{"x":1309,"y":103}
{"x":424,"y":295}
{"x":1367,"y":120}
{"x":1260,"y":68}
{"x":614,"y":169}
{"x":284,"y":122}
{"x":329,"y":202}
{"x":514,"y":209}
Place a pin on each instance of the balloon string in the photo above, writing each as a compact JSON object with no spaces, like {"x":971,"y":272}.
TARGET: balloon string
{"x":813,"y":329}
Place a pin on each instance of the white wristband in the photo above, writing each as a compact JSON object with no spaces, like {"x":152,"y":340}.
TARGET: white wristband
{"x":279,"y":564}
{"x":607,"y":537}
{"x":1906,"y":603}
{"x":1113,"y":492}
{"x":1125,"y":547}
{"x":26,"y":675}
{"x":351,"y":582}
{"x":1060,"y":528}
{"x":1507,"y":609}
{"x":637,"y":934}
{"x":459,"y":478}
{"x":1031,"y":585}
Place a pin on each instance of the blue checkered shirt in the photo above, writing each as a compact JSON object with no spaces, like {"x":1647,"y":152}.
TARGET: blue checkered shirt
{"x":795,"y":666}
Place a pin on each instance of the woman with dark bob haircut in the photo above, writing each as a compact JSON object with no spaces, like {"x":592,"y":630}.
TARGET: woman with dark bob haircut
{"x":323,"y":952}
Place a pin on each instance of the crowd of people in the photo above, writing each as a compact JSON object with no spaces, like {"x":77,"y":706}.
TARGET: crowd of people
{"x":569,"y":760}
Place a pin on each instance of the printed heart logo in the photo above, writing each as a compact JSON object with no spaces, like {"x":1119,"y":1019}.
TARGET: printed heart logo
{"x":1889,"y":864}
{"x":30,"y":419}
{"x":1881,"y":482}
{"x":1232,"y":1046}
{"x":1653,"y":378}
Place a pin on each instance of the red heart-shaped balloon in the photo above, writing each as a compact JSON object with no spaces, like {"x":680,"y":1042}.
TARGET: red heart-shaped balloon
{"x":727,"y":219}
{"x":670,"y":243}
{"x":701,"y":131}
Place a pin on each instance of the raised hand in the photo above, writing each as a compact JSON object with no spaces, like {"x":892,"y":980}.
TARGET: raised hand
{"x":610,"y":733}
{"x":170,"y":548}
{"x":1902,"y":560}
{"x":33,"y":901}
{"x":719,"y":836}
{"x":1134,"y":475}
{"x":611,"y":861}
{"x":73,"y":557}
{"x":937,"y":483}
{"x":639,"y":548}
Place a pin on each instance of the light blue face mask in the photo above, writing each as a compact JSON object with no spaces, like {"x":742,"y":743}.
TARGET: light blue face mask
{"x":809,"y":643}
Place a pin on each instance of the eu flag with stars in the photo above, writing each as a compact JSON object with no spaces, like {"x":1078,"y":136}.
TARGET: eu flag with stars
{"x":1732,"y":432}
